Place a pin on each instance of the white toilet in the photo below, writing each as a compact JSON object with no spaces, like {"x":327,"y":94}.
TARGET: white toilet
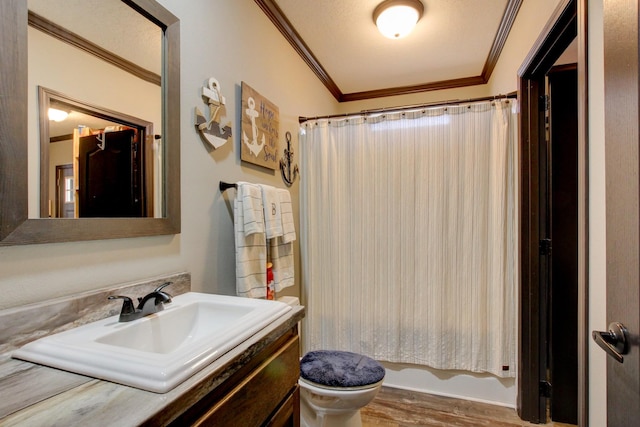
{"x":334,"y":385}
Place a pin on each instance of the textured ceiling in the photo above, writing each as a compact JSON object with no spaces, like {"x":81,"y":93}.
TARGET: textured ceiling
{"x":110,"y":24}
{"x":451,"y":46}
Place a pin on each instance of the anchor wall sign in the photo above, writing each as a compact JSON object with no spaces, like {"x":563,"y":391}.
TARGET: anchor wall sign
{"x":260,"y":126}
{"x":210,"y":126}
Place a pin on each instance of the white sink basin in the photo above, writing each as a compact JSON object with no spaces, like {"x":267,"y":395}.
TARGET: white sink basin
{"x":157,"y":352}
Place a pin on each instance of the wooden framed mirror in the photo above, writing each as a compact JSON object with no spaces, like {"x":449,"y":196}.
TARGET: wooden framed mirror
{"x":17,"y":225}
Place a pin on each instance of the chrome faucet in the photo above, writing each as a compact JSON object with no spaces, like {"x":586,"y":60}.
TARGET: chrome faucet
{"x":151,"y":303}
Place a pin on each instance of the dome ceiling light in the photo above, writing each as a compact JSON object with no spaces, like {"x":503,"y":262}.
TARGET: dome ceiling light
{"x":396,"y":18}
{"x":57,"y":115}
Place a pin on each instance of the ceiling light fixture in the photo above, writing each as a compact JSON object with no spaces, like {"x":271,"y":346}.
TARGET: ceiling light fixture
{"x":57,"y":115}
{"x":396,"y":18}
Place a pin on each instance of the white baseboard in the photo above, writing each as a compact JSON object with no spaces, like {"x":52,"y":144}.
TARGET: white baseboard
{"x":484,"y":388}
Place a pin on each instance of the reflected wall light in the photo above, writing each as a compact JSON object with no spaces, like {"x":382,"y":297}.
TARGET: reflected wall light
{"x":57,"y":115}
{"x":396,"y":18}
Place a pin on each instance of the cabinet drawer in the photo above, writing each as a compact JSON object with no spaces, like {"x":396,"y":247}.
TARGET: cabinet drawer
{"x":288,"y":414}
{"x":260,"y":394}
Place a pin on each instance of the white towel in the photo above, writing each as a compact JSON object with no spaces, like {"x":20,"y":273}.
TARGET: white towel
{"x":282,"y":260}
{"x":286,"y":211}
{"x":251,"y":197}
{"x":272,"y":216}
{"x":251,"y":257}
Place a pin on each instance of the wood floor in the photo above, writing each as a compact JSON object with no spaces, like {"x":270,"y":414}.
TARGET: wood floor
{"x":401,"y":408}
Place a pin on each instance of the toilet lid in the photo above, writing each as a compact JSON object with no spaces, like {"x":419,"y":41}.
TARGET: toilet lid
{"x":332,"y":368}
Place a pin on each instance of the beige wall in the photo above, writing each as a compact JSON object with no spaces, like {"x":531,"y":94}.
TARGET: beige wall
{"x":531,"y":19}
{"x":234,"y":42}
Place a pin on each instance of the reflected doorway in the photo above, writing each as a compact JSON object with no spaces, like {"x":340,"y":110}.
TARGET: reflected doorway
{"x":115,"y":159}
{"x":65,"y":192}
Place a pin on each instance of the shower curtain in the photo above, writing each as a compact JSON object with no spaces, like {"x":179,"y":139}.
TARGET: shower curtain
{"x":409,"y":236}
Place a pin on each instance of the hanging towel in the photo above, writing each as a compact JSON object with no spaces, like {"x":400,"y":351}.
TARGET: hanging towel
{"x":282,"y":260}
{"x":251,"y":197}
{"x":286,"y":211}
{"x":272,"y":216}
{"x":251,"y":255}
{"x":282,"y":247}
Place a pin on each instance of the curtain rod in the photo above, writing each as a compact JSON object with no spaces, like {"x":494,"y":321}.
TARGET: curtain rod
{"x":513,"y":94}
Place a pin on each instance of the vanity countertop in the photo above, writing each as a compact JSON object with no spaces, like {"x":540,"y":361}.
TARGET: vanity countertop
{"x":36,"y":395}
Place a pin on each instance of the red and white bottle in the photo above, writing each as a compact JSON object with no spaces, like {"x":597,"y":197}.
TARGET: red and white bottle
{"x":271,"y":292}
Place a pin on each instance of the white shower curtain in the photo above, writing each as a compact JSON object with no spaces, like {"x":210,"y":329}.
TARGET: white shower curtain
{"x":409,"y":237}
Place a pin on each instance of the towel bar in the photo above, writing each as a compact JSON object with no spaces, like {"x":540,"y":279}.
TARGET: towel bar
{"x":225,"y":186}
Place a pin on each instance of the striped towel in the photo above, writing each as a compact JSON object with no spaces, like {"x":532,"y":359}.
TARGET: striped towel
{"x":282,"y":247}
{"x":251,"y":197}
{"x":272,"y":217}
{"x":282,"y":260}
{"x":286,"y":212}
{"x":251,"y":251}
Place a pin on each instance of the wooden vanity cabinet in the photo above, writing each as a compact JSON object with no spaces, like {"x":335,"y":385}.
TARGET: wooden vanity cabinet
{"x":264,"y":392}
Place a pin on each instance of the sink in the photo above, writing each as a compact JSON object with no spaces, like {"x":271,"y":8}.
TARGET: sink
{"x":159,"y":351}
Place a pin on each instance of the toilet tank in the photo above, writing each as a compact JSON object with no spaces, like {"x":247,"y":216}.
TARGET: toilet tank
{"x":292,"y":301}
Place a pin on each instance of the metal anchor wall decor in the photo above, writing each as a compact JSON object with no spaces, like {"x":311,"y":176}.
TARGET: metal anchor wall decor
{"x":288,"y":175}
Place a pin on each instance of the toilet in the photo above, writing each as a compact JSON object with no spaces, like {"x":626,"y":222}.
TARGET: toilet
{"x":334,"y":385}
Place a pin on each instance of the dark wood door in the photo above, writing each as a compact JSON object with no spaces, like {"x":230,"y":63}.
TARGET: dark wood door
{"x":535,"y":217}
{"x":109,"y":174}
{"x":622,"y":137}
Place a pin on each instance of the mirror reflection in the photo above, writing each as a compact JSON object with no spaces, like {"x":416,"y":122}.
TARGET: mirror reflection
{"x":96,"y":162}
{"x":99,"y":62}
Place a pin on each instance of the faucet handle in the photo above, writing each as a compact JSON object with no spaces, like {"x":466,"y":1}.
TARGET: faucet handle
{"x":127,"y":304}
{"x":164,"y":285}
{"x":166,"y":296}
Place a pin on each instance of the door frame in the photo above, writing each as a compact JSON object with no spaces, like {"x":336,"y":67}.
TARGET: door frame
{"x":568,"y":21}
{"x":59,"y":203}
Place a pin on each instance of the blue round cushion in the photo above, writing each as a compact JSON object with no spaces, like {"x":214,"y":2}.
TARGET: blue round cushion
{"x":340,"y":369}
